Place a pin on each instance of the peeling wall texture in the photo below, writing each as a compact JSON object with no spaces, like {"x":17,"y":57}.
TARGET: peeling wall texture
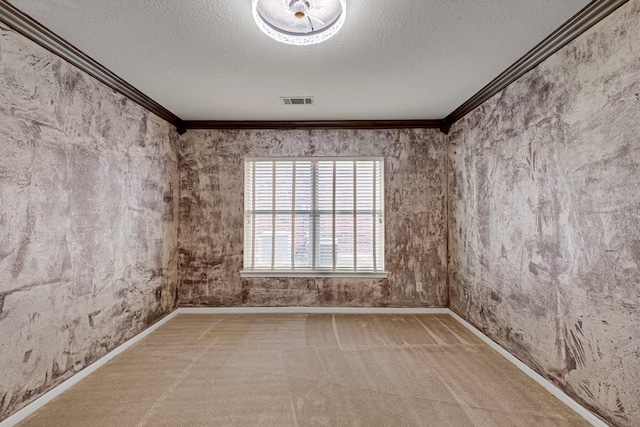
{"x":211,"y":218}
{"x":88,"y":220}
{"x":542,"y":184}
{"x":545,"y":218}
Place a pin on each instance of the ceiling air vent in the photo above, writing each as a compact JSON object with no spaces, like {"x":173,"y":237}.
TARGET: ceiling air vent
{"x":297,"y":100}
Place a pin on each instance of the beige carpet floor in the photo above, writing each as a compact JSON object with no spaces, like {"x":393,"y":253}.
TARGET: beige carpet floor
{"x":307,"y":370}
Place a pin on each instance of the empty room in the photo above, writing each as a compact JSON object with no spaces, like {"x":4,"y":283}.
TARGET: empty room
{"x":319,"y":213}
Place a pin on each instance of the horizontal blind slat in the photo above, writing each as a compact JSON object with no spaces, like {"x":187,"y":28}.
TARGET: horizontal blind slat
{"x":270,"y":194}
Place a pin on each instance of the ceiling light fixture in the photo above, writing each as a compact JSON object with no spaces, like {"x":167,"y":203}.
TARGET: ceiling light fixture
{"x":299,"y":22}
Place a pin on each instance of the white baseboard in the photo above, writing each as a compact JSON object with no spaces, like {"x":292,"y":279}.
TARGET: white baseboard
{"x":549,"y":386}
{"x":64,"y":386}
{"x":311,"y":310}
{"x":53,"y":393}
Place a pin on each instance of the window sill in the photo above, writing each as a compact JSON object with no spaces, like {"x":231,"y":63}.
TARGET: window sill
{"x":317,"y":274}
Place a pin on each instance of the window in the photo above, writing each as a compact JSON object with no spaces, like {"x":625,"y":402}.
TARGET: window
{"x":314,"y":217}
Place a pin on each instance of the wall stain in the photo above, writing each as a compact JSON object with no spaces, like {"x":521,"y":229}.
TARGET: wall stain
{"x":543,"y":218}
{"x":89,"y":236}
{"x":211,"y":218}
{"x":23,"y":248}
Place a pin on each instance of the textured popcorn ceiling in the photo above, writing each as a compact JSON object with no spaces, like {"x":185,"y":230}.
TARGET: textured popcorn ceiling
{"x":207,"y":60}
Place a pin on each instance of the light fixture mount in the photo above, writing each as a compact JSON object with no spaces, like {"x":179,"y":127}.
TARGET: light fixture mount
{"x":299,"y":22}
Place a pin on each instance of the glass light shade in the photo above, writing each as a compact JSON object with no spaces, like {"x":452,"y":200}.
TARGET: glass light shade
{"x":299,"y":22}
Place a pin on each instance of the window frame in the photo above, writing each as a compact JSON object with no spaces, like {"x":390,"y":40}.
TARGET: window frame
{"x":378,"y":191}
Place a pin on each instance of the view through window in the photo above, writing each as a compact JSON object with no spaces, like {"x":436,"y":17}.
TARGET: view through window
{"x":314,"y":216}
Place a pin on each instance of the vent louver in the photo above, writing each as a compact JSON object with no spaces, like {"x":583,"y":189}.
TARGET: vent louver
{"x":297,"y":100}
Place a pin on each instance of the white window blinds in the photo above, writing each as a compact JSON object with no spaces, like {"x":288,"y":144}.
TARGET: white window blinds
{"x":314,"y":216}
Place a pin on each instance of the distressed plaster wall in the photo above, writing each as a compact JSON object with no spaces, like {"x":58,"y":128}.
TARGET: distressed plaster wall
{"x":211,"y":218}
{"x":545,"y":218}
{"x":88,"y":220}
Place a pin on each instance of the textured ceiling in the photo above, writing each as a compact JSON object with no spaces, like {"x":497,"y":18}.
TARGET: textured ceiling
{"x":392,"y":60}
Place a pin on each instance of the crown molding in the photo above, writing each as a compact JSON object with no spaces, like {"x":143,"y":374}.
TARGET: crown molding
{"x":46,"y":38}
{"x":593,"y":13}
{"x":314,"y":124}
